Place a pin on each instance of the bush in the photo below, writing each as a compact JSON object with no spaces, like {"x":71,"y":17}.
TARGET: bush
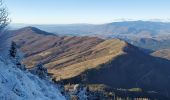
{"x":40,"y":70}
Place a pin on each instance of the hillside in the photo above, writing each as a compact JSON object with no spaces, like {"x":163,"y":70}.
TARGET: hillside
{"x":92,"y":60}
{"x":22,"y":85}
{"x":164,"y":53}
{"x":131,"y":69}
{"x":60,"y":53}
{"x":50,"y":48}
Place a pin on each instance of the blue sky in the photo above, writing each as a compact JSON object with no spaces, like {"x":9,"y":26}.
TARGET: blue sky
{"x":85,"y":11}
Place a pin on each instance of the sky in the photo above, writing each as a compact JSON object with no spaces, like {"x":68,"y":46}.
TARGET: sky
{"x":85,"y":11}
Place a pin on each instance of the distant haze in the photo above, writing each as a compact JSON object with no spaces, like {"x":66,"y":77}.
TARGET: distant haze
{"x":135,"y":28}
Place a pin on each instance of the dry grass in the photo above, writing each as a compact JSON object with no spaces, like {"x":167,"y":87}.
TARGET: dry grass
{"x":66,"y":57}
{"x":104,"y":52}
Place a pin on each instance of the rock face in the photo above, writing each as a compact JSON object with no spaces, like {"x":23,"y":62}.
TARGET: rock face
{"x":92,"y":60}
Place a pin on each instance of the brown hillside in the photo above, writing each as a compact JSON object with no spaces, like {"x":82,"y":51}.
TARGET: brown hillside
{"x":62,"y":54}
{"x":92,"y":60}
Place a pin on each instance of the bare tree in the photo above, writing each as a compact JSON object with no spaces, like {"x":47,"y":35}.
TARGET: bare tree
{"x":4,"y":20}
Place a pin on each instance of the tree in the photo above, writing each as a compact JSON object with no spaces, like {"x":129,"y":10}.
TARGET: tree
{"x":4,"y":20}
{"x":81,"y":91}
{"x":40,"y":70}
{"x":13,"y":50}
{"x":16,"y":56}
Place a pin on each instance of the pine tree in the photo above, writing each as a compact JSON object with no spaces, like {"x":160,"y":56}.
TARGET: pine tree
{"x":13,"y":50}
{"x":40,"y":70}
{"x":82,"y":94}
{"x":16,"y":56}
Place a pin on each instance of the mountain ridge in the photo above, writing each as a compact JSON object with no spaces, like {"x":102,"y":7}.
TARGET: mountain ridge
{"x":73,"y":59}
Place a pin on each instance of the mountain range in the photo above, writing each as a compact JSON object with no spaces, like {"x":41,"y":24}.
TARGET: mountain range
{"x":144,"y":34}
{"x":139,"y":28}
{"x":92,"y":60}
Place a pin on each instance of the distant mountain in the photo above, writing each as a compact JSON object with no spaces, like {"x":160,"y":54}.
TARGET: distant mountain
{"x":139,"y":28}
{"x":149,"y":44}
{"x":70,"y":29}
{"x":144,"y":34}
{"x":91,"y":60}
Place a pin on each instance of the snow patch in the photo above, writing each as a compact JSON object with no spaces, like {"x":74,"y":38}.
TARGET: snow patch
{"x":16,"y":84}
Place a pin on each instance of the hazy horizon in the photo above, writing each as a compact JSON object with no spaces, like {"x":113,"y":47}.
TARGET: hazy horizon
{"x":114,"y":21}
